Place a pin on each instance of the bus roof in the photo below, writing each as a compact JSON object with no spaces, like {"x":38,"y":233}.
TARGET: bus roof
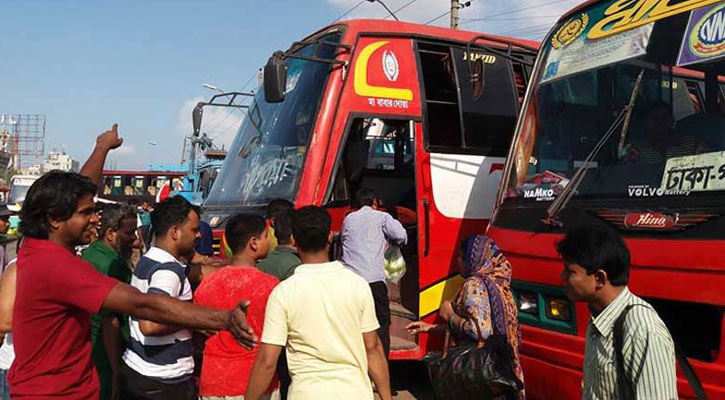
{"x":107,"y":172}
{"x":396,"y":28}
{"x":578,"y":8}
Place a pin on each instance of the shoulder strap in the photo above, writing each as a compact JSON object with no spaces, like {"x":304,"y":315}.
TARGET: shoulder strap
{"x":627,"y":385}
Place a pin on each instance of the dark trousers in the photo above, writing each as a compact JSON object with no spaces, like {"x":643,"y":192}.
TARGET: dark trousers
{"x":382,"y":311}
{"x":283,"y":374}
{"x":138,"y":387}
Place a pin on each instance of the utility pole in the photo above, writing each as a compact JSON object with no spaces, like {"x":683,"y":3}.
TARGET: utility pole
{"x":454,"y":14}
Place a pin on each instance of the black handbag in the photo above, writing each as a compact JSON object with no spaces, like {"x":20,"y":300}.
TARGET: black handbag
{"x":483,"y":370}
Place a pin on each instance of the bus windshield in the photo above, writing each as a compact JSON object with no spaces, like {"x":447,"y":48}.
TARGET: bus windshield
{"x":17,"y":193}
{"x":672,"y":144}
{"x":265,"y":160}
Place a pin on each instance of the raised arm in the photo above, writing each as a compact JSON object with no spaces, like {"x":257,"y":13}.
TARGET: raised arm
{"x":106,"y":141}
{"x":169,"y":311}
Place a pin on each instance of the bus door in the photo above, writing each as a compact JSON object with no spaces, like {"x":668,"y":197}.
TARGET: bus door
{"x":461,"y":149}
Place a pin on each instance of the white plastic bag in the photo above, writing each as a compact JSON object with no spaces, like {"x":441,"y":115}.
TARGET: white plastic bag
{"x":394,"y":264}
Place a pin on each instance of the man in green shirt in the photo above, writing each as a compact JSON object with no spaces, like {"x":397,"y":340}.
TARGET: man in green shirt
{"x":281,"y":262}
{"x":109,"y":255}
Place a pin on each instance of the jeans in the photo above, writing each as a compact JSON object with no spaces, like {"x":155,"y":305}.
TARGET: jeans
{"x":4,"y":390}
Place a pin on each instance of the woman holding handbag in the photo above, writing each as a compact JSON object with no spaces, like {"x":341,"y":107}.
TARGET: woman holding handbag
{"x":483,"y":302}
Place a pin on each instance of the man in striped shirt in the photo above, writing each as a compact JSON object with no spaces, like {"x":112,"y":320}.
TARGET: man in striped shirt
{"x":642,"y":366}
{"x":159,"y":359}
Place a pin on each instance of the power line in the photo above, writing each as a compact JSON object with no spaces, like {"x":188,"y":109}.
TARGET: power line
{"x":517,"y":10}
{"x":401,"y":8}
{"x":520,"y":18}
{"x":438,"y":17}
{"x":530,"y":29}
{"x":349,"y":11}
{"x":255,"y":73}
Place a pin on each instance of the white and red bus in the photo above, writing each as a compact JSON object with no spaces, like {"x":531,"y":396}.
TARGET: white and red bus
{"x":423,"y":115}
{"x":622,"y":125}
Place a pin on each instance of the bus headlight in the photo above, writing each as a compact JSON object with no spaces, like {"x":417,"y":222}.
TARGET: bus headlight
{"x":214,"y":221}
{"x":558,"y":308}
{"x":528,"y":302}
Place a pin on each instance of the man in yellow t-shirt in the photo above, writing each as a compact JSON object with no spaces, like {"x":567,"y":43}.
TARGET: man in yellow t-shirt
{"x":325,"y":316}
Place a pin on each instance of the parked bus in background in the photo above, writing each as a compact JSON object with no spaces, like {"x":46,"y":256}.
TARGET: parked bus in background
{"x":19,"y":185}
{"x":622,"y":126}
{"x":424,"y":115}
{"x":122,"y":186}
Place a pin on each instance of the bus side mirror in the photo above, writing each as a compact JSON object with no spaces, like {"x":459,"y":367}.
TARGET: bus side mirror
{"x":478,"y":79}
{"x":196,"y":115}
{"x":275,"y":78}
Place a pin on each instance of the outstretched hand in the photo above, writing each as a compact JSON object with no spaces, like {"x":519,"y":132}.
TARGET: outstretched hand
{"x":109,"y":140}
{"x":238,"y":326}
{"x":417,"y":327}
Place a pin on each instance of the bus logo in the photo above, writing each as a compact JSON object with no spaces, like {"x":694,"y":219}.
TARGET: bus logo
{"x":650,"y":220}
{"x":570,"y":31}
{"x":390,"y":66}
{"x":708,"y":37}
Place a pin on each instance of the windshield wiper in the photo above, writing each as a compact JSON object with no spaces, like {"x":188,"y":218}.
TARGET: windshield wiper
{"x":246,"y":150}
{"x":552,"y":213}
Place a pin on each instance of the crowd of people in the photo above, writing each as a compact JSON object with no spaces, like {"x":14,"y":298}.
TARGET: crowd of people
{"x":146,"y":312}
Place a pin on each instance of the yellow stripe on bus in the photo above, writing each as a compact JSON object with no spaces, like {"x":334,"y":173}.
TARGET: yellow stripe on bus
{"x":430,"y":299}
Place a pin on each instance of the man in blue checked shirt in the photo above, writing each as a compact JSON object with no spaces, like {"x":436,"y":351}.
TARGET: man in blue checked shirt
{"x":365,"y":236}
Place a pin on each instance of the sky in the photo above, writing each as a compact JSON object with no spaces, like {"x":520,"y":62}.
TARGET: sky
{"x":86,"y":64}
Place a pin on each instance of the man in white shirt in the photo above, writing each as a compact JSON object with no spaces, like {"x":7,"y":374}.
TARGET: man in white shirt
{"x":159,"y":359}
{"x":325,"y":316}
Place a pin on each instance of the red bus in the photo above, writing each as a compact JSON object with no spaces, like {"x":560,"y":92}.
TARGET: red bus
{"x":392,"y":106}
{"x":623,"y":126}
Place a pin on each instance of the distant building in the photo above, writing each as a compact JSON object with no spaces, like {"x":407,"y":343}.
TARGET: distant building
{"x":62,"y":161}
{"x":36,"y":169}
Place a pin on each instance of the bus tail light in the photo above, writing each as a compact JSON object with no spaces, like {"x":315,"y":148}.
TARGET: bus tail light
{"x":528,"y":303}
{"x":558,"y":308}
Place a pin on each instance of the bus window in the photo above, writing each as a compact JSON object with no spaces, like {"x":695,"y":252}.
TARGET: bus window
{"x":489,"y":120}
{"x":378,"y":155}
{"x":138,"y":186}
{"x":455,"y":118}
{"x":443,"y":120}
{"x":117,"y":187}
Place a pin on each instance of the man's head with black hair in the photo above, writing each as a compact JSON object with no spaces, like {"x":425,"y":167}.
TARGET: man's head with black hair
{"x":366,"y":197}
{"x":595,"y":258}
{"x":311,"y":229}
{"x":175,"y":223}
{"x":118,"y":227}
{"x":59,"y":207}
{"x":247,"y":233}
{"x":277,"y":207}
{"x":283,"y":228}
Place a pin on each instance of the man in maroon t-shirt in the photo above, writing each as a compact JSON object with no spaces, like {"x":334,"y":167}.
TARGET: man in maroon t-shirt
{"x":226,"y":365}
{"x":57,"y":292}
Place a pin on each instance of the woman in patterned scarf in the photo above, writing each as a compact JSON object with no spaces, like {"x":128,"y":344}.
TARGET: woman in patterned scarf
{"x":487,"y":271}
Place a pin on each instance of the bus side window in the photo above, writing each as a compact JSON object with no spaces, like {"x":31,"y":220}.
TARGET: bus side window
{"x":442,"y":112}
{"x":455,"y":118}
{"x":488,"y":120}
